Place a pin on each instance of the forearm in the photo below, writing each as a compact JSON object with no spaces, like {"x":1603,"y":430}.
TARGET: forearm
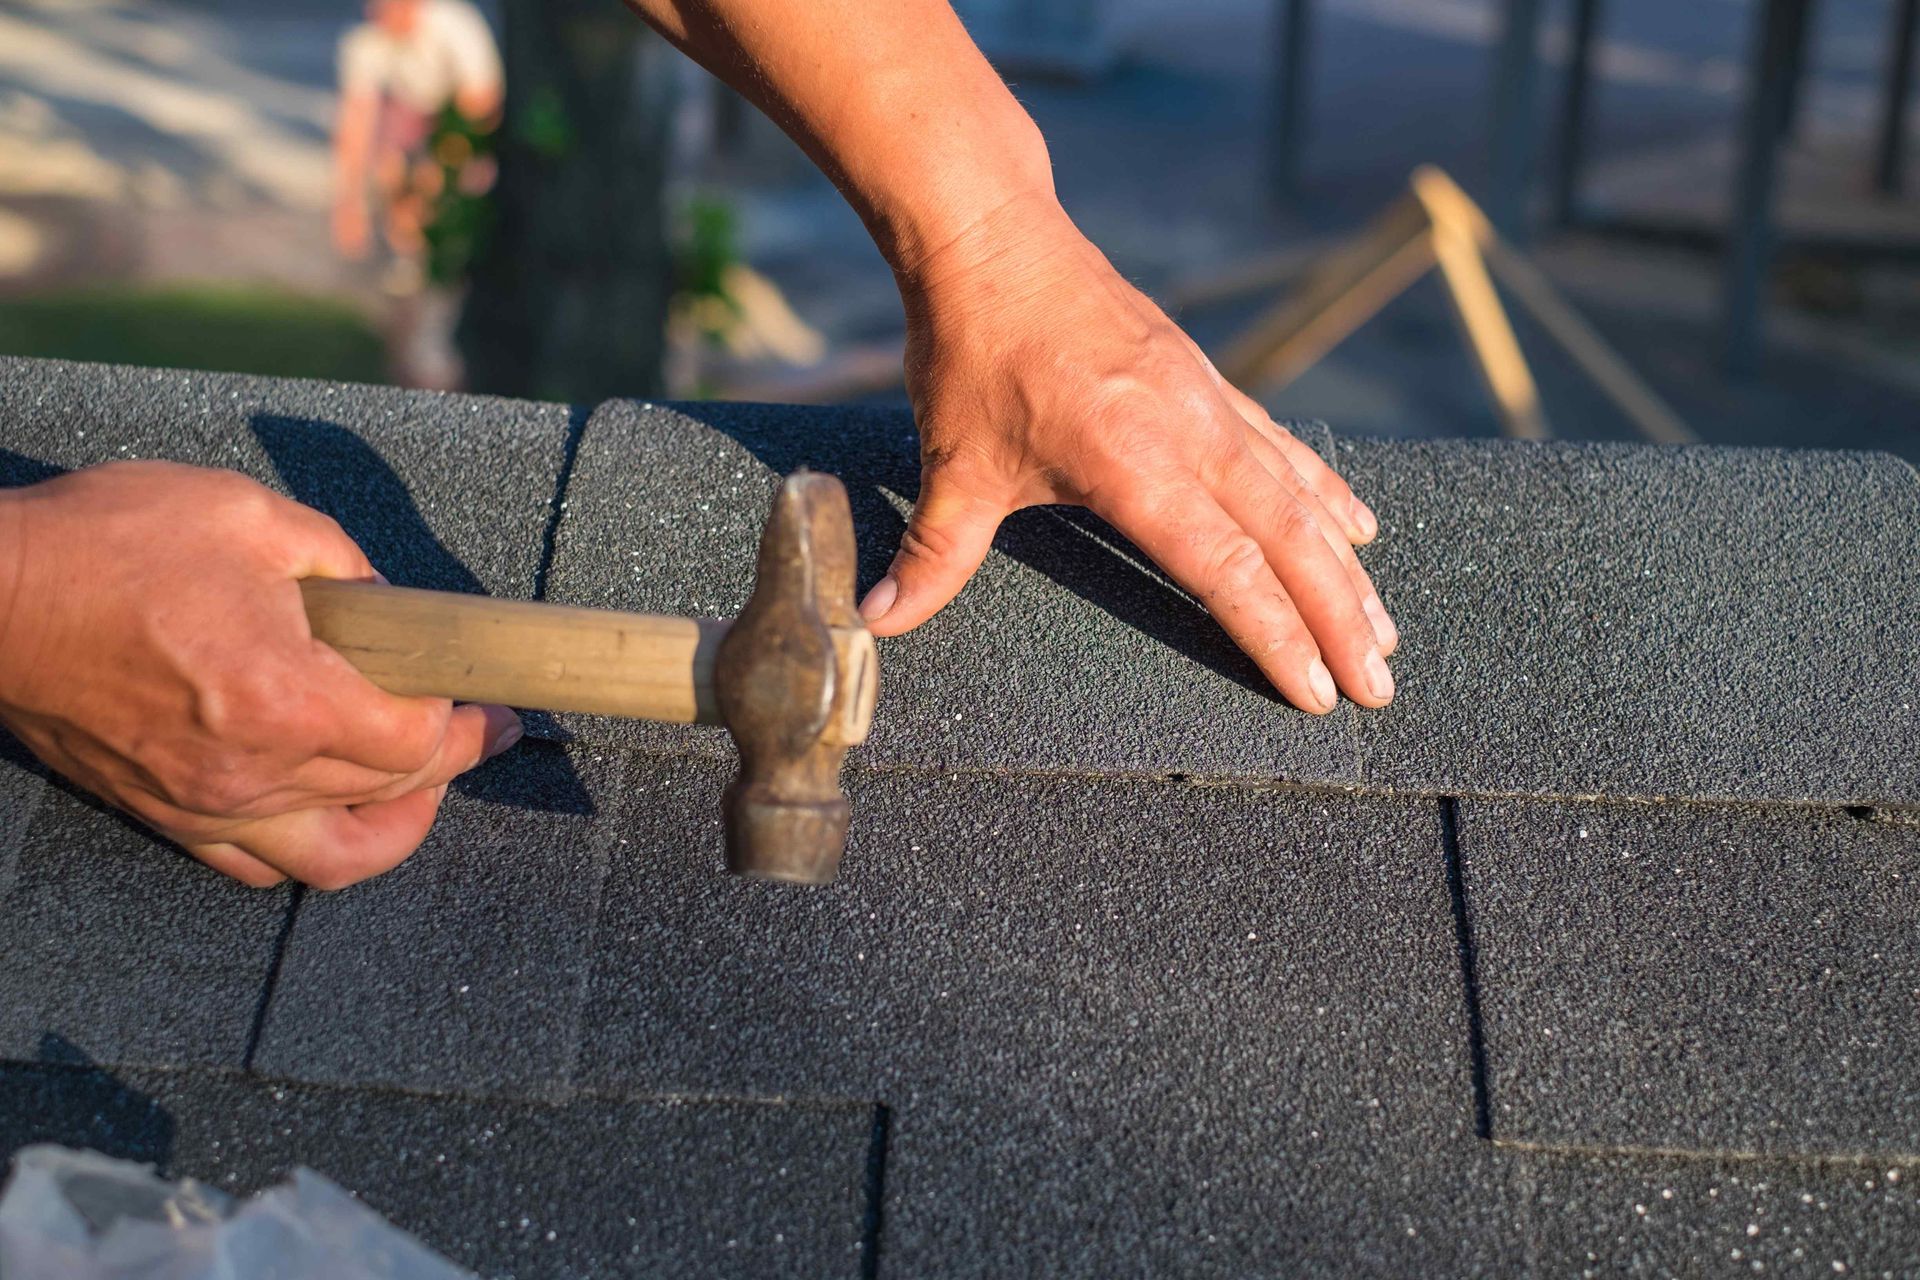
{"x":353,"y":147}
{"x":889,"y":97}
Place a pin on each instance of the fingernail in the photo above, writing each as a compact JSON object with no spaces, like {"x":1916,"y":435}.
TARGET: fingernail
{"x":880,"y":599}
{"x":1379,"y":679}
{"x":1321,"y":681}
{"x":1364,"y":520}
{"x":381,"y":578}
{"x":1383,"y":629}
{"x":504,"y":734}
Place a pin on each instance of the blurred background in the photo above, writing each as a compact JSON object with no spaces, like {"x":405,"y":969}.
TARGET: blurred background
{"x":1716,"y":186}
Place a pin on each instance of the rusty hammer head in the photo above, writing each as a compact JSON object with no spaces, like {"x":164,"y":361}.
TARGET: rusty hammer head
{"x":796,"y":677}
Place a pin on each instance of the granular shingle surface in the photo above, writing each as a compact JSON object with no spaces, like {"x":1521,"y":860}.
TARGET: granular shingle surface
{"x":514,"y":1190}
{"x":116,"y":940}
{"x":1064,"y":653}
{"x":1604,"y":620}
{"x":442,"y":974}
{"x":1595,"y":954}
{"x":1696,"y":977}
{"x":449,"y":493}
{"x":1124,"y":1026}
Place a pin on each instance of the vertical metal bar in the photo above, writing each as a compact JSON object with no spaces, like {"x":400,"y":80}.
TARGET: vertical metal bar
{"x":1799,"y":49}
{"x":1570,"y":149}
{"x":1890,"y":151}
{"x":1515,"y":69}
{"x":1292,"y":34}
{"x":1750,"y":233}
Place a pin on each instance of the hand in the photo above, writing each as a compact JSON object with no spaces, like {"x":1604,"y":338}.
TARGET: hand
{"x":352,"y":229}
{"x":1039,"y":375}
{"x":155,"y":650}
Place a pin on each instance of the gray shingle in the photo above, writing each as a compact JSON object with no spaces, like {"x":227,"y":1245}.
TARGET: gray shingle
{"x":1588,"y":620}
{"x":118,"y":942}
{"x":515,"y":1190}
{"x":1122,"y":1028}
{"x":464,"y":966}
{"x":1730,"y":623}
{"x":1064,"y":653}
{"x":1693,"y":977}
{"x":1664,"y":1217}
{"x":448,"y":492}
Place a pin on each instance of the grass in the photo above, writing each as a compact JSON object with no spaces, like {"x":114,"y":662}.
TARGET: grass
{"x":234,"y":329}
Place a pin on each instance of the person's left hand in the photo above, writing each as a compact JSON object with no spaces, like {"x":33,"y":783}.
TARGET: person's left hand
{"x":1039,"y":375}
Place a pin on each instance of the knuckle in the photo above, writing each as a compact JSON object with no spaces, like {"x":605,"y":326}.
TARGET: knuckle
{"x":1236,"y":565}
{"x":1289,"y":519}
{"x":416,"y":737}
{"x":215,"y":792}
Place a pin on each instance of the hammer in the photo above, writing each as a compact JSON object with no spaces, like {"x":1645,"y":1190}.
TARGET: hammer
{"x":793,"y":678}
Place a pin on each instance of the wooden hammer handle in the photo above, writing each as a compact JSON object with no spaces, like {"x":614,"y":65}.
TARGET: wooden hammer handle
{"x":544,"y":657}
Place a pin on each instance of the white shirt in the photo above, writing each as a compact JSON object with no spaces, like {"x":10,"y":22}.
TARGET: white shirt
{"x":450,"y":50}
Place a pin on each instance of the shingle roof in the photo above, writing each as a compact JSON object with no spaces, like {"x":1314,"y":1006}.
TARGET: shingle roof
{"x":1599,"y":950}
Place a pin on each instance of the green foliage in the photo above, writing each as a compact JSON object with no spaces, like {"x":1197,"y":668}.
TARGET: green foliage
{"x":706,"y":242}
{"x":460,"y":215}
{"x":228,"y":328}
{"x":542,"y":125}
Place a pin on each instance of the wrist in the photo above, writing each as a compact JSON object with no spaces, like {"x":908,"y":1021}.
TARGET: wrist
{"x":946,"y":181}
{"x":1012,"y":253}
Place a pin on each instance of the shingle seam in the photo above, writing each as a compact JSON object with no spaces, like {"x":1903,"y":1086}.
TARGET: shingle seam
{"x":1469,"y":965}
{"x":270,"y":983}
{"x":1712,"y":1155}
{"x":570,"y":1055}
{"x":1897,"y":811}
{"x":578,"y":416}
{"x":873,"y":1220}
{"x":10,"y":849}
{"x":387,"y":1088}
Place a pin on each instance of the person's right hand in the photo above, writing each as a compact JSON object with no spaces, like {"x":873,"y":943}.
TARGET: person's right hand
{"x":154,"y":649}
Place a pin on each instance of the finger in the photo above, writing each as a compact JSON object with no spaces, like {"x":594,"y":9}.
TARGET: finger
{"x":1356,"y":518}
{"x":319,"y":547}
{"x":335,"y":847}
{"x":1314,"y":579}
{"x":1284,"y":473}
{"x":947,"y":538}
{"x":231,"y":860}
{"x":364,"y":724}
{"x":1190,"y":536}
{"x":475,"y":733}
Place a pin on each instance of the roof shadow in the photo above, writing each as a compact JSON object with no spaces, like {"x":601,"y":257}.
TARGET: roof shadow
{"x":17,"y":470}
{"x":65,"y":1097}
{"x":331,"y":469}
{"x":1073,"y":547}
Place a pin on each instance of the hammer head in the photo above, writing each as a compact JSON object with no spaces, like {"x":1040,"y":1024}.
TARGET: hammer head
{"x":796,"y":677}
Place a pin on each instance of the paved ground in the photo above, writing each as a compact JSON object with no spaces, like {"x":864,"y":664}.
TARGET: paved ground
{"x":190,"y":135}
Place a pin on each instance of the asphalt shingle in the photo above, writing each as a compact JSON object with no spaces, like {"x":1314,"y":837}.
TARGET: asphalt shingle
{"x":1093,"y":995}
{"x":463,"y":967}
{"x":1121,"y":1027}
{"x":515,"y":1190}
{"x":1696,"y":977}
{"x":448,"y":492}
{"x":1066,"y":652}
{"x":1601,"y":620}
{"x":1654,"y":1216}
{"x":117,"y":941}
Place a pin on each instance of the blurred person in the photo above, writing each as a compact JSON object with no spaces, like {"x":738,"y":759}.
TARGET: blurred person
{"x":165,"y":662}
{"x":421,"y":88}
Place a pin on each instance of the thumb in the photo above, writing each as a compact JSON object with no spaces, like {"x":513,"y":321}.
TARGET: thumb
{"x":947,"y":538}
